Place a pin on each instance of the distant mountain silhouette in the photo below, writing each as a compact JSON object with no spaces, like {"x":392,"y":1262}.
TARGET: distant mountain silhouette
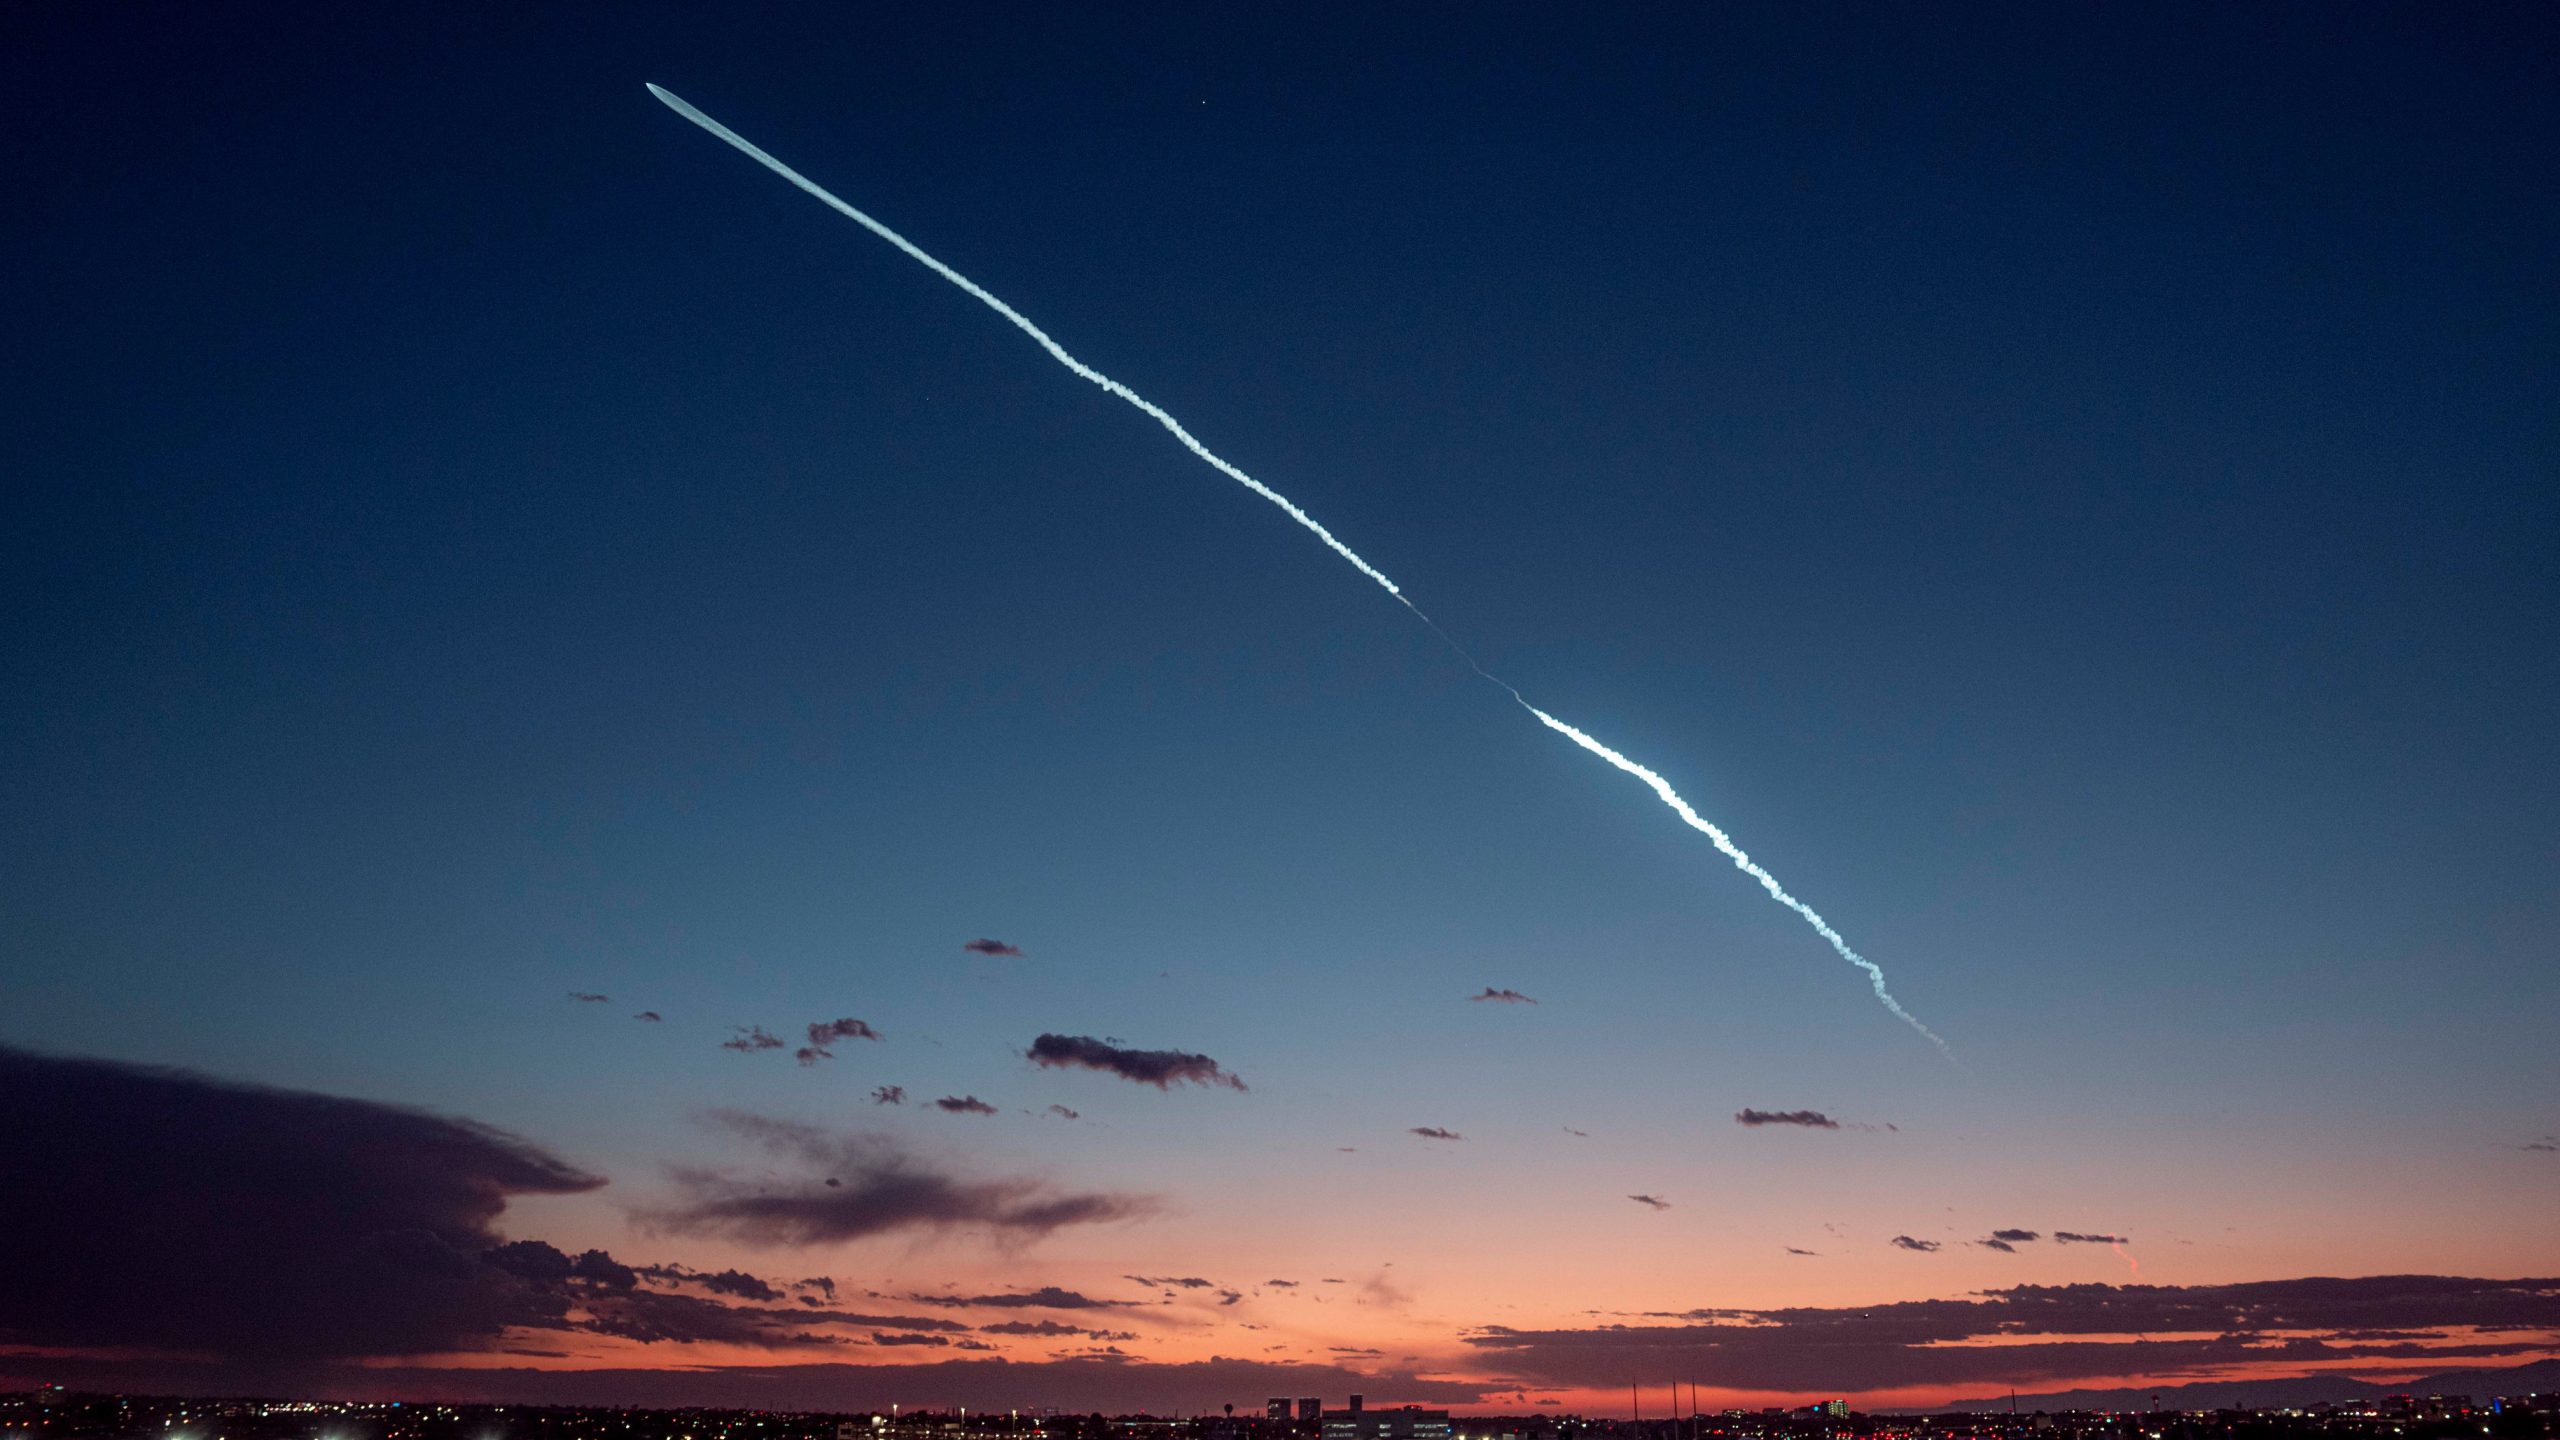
{"x":2540,"y":1375}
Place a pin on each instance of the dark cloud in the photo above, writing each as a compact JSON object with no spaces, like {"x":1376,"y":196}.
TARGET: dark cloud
{"x":663,"y":1317}
{"x":1434,"y":1132}
{"x":588,"y":997}
{"x":1652,"y":1201}
{"x":1063,"y":1113}
{"x":1281,"y":1284}
{"x":1503,"y":997}
{"x":876,"y":1189}
{"x":973,"y":1345}
{"x":2074,"y":1237}
{"x":964,"y":1105}
{"x":2032,"y":1334}
{"x":1048,"y":1329}
{"x":992,"y":947}
{"x":609,"y":1302}
{"x":825,"y":1034}
{"x":1163,"y":1069}
{"x":1077,"y":1384}
{"x":1185,"y":1282}
{"x":652,"y":1016}
{"x":1905,"y":1242}
{"x":752,"y":1038}
{"x":549,"y":1266}
{"x":889,"y":1095}
{"x":1996,"y":1243}
{"x":910,"y":1339}
{"x":1810,"y":1119}
{"x":1047,"y":1297}
{"x":186,"y":1213}
{"x":2016,"y":1237}
{"x":2046,"y":1333}
{"x":2547,"y":1144}
{"x":719,"y":1282}
{"x":1794,"y":1251}
{"x":1584,"y":1134}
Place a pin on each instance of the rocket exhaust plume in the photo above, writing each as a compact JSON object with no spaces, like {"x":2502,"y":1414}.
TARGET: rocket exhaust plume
{"x":1660,"y":787}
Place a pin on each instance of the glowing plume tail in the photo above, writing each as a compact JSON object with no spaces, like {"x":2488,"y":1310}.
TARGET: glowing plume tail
{"x":1741,"y":862}
{"x":1219,"y":463}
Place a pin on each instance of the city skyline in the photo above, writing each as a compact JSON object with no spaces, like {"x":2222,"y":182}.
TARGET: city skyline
{"x":613,"y":789}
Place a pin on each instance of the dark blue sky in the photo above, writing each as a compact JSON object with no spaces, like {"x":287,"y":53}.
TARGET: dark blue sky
{"x":2073,"y":493}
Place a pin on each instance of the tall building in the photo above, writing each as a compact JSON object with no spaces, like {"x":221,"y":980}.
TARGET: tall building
{"x":1276,"y":1409}
{"x":1310,"y":1410}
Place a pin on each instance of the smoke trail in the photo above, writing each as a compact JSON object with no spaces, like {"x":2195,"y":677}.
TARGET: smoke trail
{"x":1741,"y":862}
{"x":1057,"y":352}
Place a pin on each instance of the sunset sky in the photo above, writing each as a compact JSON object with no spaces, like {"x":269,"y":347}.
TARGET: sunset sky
{"x":511,"y":603}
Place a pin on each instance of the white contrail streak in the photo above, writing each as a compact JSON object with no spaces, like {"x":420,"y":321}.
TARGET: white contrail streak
{"x":1057,"y":352}
{"x":1022,"y":322}
{"x":1741,"y":862}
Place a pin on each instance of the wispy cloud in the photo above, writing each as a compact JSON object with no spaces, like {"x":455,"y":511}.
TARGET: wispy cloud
{"x":2016,"y":1237}
{"x":1163,"y":1069}
{"x":1052,"y":1329}
{"x":889,"y":1095}
{"x":852,"y":1186}
{"x":1905,"y":1242}
{"x":1434,"y":1132}
{"x":652,"y":1016}
{"x":1505,"y":996}
{"x":2074,"y":1237}
{"x":1653,"y":1201}
{"x":588,"y":997}
{"x":964,"y":1105}
{"x":1810,"y":1119}
{"x":750,"y":1039}
{"x":993,"y":947}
